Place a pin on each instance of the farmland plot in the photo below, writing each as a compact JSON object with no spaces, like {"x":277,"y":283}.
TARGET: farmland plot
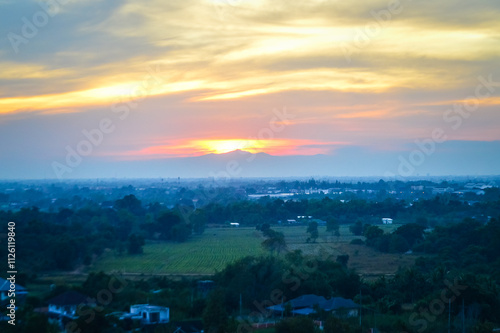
{"x":217,"y":247}
{"x":202,"y":254}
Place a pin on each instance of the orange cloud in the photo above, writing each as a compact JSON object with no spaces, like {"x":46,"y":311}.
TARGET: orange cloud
{"x":221,"y":146}
{"x":487,"y":101}
{"x":364,"y":114}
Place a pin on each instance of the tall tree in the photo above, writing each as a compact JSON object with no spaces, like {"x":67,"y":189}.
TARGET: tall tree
{"x":332,"y":225}
{"x":275,"y":241}
{"x":135,"y":244}
{"x":357,"y":228}
{"x":312,"y":230}
{"x":412,"y":232}
{"x":215,"y":317}
{"x":165,"y":222}
{"x":130,"y":203}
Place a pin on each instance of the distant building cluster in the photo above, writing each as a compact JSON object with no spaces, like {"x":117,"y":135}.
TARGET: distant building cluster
{"x":14,"y":196}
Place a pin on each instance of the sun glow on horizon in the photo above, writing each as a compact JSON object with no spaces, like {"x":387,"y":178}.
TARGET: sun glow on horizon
{"x":200,"y":147}
{"x":226,"y":146}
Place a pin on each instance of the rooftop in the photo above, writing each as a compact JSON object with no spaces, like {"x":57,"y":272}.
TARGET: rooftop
{"x":5,"y":286}
{"x":69,"y":298}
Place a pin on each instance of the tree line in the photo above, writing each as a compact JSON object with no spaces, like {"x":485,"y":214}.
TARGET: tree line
{"x":68,"y":238}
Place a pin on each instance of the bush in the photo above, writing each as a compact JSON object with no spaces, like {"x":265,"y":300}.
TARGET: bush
{"x":357,"y":228}
{"x":295,"y":325}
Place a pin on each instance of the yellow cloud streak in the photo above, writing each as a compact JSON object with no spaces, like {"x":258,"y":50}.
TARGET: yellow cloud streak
{"x":97,"y":96}
{"x":260,"y":83}
{"x":314,"y":79}
{"x":12,"y":70}
{"x":451,"y":44}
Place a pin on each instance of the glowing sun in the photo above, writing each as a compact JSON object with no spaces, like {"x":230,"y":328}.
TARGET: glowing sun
{"x":226,"y":146}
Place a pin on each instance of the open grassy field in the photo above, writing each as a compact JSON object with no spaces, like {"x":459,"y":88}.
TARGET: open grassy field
{"x":203,"y":254}
{"x":212,"y":251}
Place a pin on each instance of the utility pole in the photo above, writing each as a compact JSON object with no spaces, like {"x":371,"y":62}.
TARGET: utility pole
{"x":463,"y":315}
{"x":361,"y":306}
{"x":241,"y":302}
{"x":282,"y":308}
{"x":449,"y":315}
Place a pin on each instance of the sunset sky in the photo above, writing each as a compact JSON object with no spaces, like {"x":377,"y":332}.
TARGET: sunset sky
{"x":149,"y":80}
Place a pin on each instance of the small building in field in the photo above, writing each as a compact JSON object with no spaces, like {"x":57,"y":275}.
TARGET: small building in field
{"x":386,"y":220}
{"x":234,"y":224}
{"x":150,"y":314}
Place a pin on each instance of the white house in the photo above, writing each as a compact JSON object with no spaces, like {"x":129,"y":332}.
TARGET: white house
{"x":386,"y":220}
{"x":150,"y":314}
{"x":67,"y":304}
{"x":234,"y":224}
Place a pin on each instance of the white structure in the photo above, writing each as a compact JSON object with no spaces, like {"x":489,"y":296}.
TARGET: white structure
{"x":150,"y":314}
{"x":386,"y":220}
{"x":234,"y":224}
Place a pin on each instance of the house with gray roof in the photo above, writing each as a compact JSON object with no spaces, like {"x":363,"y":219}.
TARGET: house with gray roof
{"x":307,"y":304}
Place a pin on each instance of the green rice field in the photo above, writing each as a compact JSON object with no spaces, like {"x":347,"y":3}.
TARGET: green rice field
{"x":202,"y":254}
{"x":217,"y":247}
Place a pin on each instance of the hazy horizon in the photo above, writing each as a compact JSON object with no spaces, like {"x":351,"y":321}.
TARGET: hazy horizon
{"x":468,"y":160}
